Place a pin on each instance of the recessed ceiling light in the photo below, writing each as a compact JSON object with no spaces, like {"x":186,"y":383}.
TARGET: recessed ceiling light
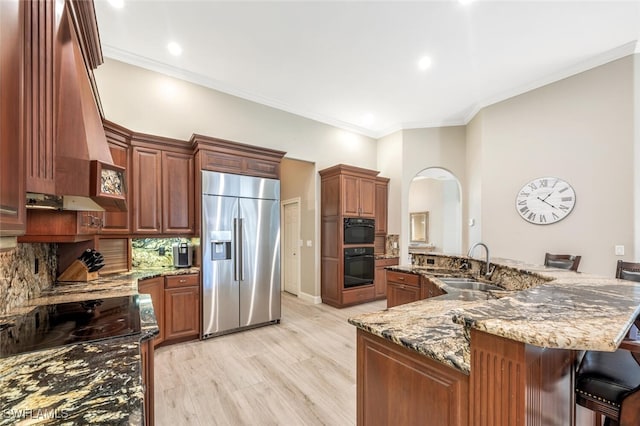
{"x":424,"y":63}
{"x":465,"y":1}
{"x":118,"y":4}
{"x":174,"y":48}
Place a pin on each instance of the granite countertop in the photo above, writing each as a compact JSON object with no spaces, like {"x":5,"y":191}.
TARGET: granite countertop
{"x":96,"y":382}
{"x":546,"y":307}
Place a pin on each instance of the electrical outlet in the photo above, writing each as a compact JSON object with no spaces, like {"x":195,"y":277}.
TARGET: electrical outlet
{"x":36,"y":266}
{"x":161,"y":251}
{"x":309,"y":243}
{"x":619,"y":250}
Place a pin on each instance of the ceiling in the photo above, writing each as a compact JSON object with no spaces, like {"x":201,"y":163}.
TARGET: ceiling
{"x":354,"y":64}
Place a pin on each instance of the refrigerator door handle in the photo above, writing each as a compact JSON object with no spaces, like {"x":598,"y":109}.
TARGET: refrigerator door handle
{"x":236,"y":245}
{"x":240,"y":249}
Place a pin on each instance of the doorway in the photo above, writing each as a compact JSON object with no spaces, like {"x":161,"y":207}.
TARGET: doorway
{"x":291,"y":246}
{"x":436,"y":192}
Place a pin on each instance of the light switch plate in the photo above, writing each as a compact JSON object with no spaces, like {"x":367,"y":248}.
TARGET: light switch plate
{"x":619,"y":250}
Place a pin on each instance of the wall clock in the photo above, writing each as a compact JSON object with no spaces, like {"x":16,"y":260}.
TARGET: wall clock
{"x":545,"y":200}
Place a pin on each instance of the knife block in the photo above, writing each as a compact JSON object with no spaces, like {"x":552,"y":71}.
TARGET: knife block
{"x":78,"y":271}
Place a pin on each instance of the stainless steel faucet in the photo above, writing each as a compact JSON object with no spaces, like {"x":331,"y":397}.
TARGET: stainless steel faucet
{"x":488,"y":270}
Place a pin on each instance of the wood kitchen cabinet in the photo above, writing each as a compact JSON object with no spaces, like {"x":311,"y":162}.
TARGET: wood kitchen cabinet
{"x":358,"y":195}
{"x":155,"y":288}
{"x":118,"y":139}
{"x":176,"y":303}
{"x":430,"y":289}
{"x":348,"y":191}
{"x":146,"y":191}
{"x":380,"y":280}
{"x":12,"y":170}
{"x":382,"y":190}
{"x":65,"y":226}
{"x":182,"y":307}
{"x":163,"y":191}
{"x":402,"y":288}
{"x":397,"y":386}
{"x":177,"y":193}
{"x":406,"y":288}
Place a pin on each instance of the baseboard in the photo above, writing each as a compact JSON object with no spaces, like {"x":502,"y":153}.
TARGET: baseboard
{"x":316,"y":300}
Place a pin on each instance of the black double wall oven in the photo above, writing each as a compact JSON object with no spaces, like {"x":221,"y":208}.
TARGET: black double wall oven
{"x":359,"y":260}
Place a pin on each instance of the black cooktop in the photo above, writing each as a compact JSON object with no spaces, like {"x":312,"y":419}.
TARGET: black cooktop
{"x":60,"y":324}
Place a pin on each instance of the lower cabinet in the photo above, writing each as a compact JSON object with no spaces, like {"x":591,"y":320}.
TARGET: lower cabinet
{"x":182,"y":307}
{"x":146,"y":354}
{"x":402,"y":288}
{"x":380,"y":278}
{"x":406,"y":288}
{"x":396,"y":386}
{"x":176,"y":302}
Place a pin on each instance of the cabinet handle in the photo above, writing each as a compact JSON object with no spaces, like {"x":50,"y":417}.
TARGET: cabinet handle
{"x":182,"y":281}
{"x":401,"y":278}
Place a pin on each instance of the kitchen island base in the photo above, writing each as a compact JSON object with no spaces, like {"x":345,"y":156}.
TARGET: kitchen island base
{"x":511,"y":384}
{"x":398,"y":386}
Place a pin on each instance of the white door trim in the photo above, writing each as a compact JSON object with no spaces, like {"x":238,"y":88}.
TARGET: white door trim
{"x":285,"y":203}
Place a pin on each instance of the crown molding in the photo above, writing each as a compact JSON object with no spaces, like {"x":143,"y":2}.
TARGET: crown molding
{"x":210,"y":83}
{"x":593,"y":62}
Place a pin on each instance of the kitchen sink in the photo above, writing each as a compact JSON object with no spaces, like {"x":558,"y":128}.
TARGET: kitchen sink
{"x":469,"y":284}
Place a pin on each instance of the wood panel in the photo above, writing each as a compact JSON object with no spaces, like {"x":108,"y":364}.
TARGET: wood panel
{"x":516,"y":384}
{"x":349,"y":196}
{"x":396,"y":386}
{"x":118,"y":139}
{"x":155,"y":288}
{"x":182,"y":313}
{"x":380,"y":280}
{"x":12,"y":170}
{"x":367,"y":198}
{"x":146,"y":195}
{"x":225,"y":156}
{"x":400,"y":293}
{"x":41,"y":26}
{"x":148,"y":380}
{"x":382,"y":207}
{"x":177,"y":193}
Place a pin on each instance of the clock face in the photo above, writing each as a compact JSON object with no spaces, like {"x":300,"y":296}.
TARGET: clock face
{"x":545,"y":200}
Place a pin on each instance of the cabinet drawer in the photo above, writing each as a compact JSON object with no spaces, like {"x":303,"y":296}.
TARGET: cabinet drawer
{"x":357,"y":295}
{"x":186,"y":280}
{"x":391,"y":261}
{"x":399,"y":277}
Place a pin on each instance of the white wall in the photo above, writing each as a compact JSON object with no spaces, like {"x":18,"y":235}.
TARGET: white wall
{"x":580,"y":129}
{"x":403,"y":154}
{"x":149,"y":102}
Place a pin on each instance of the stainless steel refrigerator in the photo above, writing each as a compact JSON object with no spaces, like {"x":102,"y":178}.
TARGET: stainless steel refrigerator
{"x":240,"y":252}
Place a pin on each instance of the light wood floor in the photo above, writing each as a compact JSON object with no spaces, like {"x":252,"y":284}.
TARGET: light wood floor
{"x":300,"y":372}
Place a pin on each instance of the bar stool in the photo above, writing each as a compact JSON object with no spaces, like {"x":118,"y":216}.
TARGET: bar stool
{"x":562,"y":261}
{"x":609,"y":382}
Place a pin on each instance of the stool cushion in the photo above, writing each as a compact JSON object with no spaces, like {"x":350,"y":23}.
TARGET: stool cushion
{"x":608,"y":376}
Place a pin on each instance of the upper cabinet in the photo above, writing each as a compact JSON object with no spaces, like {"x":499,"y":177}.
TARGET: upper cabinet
{"x":348,"y":191}
{"x":119,"y":145}
{"x":162,"y":186}
{"x":382,"y":195}
{"x":12,"y":174}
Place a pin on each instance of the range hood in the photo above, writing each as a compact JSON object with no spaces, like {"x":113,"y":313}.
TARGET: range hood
{"x":85,"y":176}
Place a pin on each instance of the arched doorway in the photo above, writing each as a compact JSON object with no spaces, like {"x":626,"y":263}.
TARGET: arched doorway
{"x":437,"y":192}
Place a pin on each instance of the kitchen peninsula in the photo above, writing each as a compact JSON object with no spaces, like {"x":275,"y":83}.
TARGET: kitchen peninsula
{"x":102,"y":381}
{"x":495,"y":358}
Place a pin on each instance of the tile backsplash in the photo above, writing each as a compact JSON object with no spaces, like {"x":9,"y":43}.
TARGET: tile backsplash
{"x":19,"y":280}
{"x":392,"y":245}
{"x":156,"y":252}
